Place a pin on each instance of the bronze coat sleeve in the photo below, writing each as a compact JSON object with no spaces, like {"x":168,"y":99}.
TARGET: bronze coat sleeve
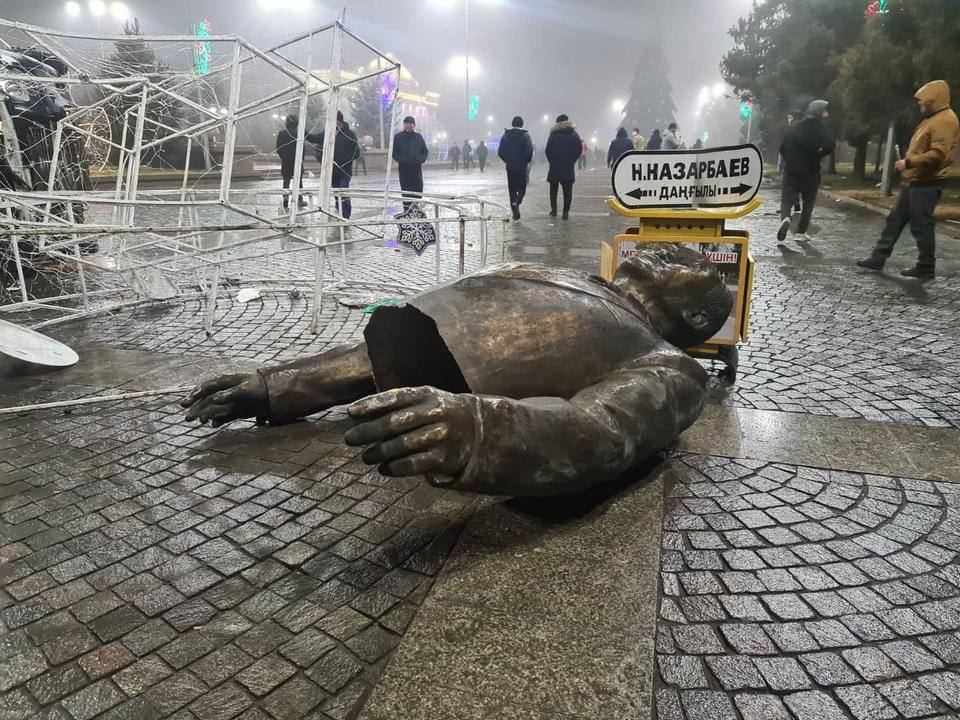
{"x":547,"y":446}
{"x":309,"y":385}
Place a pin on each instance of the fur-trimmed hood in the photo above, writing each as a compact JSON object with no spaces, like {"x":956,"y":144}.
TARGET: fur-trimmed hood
{"x":567,"y":126}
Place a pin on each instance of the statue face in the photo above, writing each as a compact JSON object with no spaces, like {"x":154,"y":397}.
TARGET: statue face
{"x":679,"y":289}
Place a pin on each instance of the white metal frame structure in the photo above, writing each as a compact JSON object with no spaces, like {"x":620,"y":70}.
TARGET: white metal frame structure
{"x":199,"y":230}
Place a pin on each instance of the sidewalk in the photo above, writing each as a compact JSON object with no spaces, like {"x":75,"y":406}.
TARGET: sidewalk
{"x":794,"y":556}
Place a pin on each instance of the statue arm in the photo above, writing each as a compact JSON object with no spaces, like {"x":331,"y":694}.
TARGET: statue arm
{"x":546,"y":446}
{"x":308,"y":385}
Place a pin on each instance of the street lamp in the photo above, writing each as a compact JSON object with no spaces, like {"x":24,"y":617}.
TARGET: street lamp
{"x":546,"y":118}
{"x":72,"y":8}
{"x":489,"y":118}
{"x":617,"y":105}
{"x":97,"y":8}
{"x":119,"y":11}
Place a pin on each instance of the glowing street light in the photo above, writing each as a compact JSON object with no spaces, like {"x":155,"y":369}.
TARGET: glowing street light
{"x":97,"y":8}
{"x":72,"y":8}
{"x":119,"y":11}
{"x":618,"y":105}
{"x":489,"y":118}
{"x":546,"y":118}
{"x":719,"y":89}
{"x":457,"y":66}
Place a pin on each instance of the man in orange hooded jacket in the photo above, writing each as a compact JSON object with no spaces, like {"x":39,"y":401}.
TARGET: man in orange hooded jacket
{"x":932,"y":150}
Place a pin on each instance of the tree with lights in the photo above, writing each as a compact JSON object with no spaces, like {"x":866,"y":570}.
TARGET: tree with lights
{"x":651,"y":102}
{"x":371,"y":100}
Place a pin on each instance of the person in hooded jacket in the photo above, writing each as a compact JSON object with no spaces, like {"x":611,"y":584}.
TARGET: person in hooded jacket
{"x":673,"y":140}
{"x":804,"y":145}
{"x":346,"y":150}
{"x":563,"y":150}
{"x":516,"y":151}
{"x":618,"y":146}
{"x":287,"y":150}
{"x":467,"y":155}
{"x":410,"y":151}
{"x":655,"y":142}
{"x":932,"y":150}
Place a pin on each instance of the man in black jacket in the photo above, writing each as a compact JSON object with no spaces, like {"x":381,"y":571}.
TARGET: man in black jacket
{"x":410,"y":152}
{"x":346,"y":149}
{"x":516,"y":151}
{"x":803,"y":146}
{"x":563,"y":150}
{"x":287,"y":150}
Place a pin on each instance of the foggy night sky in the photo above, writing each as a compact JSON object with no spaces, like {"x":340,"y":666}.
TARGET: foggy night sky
{"x":537,"y":56}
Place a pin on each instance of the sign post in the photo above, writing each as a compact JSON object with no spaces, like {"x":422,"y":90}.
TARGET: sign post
{"x":686,"y":198}
{"x":712,"y":177}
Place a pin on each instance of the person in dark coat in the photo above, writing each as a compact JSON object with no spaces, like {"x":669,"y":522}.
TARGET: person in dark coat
{"x":410,"y":152}
{"x":287,"y":150}
{"x":482,"y":152}
{"x":655,"y":142}
{"x":802,"y":149}
{"x":346,"y":149}
{"x":467,"y":155}
{"x":516,"y":151}
{"x":455,"y":157}
{"x":563,"y":150}
{"x":620,"y":144}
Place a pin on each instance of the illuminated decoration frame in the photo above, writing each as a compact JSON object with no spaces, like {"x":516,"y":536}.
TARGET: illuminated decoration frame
{"x":126,"y":243}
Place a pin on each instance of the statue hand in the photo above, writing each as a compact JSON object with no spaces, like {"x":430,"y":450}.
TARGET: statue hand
{"x":226,"y":398}
{"x":414,"y":431}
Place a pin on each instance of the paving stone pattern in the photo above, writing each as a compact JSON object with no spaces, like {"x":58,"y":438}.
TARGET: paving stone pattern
{"x":150,"y":568}
{"x":794,"y":592}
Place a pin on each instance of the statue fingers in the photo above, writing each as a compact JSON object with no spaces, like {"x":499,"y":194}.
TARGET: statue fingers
{"x":384,"y":402}
{"x":393,"y":424}
{"x":209,"y":387}
{"x":424,"y":463}
{"x":417,"y":441}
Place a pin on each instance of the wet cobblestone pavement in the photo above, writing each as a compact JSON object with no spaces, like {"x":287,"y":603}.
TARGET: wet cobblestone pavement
{"x":155,"y":569}
{"x":825,"y":594}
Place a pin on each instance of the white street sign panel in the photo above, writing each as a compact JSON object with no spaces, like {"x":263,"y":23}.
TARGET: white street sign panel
{"x":712,"y":177}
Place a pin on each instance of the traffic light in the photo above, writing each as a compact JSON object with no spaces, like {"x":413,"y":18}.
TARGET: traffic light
{"x":746,"y":109}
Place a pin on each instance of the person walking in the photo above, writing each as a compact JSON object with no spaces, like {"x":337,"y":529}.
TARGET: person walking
{"x":516,"y":151}
{"x":482,"y":152}
{"x":639,"y":141}
{"x":655,"y":142}
{"x":410,"y":152}
{"x":363,"y":158}
{"x":563,"y":150}
{"x":287,"y":150}
{"x":672,"y":140}
{"x":467,"y":155}
{"x":618,"y":146}
{"x":584,"y":154}
{"x":802,"y":149}
{"x":346,"y":149}
{"x":931,"y":151}
{"x":455,"y":157}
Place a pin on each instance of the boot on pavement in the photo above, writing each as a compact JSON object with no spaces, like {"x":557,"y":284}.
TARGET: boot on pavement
{"x":918,"y":272}
{"x":873,"y":262}
{"x":782,"y":230}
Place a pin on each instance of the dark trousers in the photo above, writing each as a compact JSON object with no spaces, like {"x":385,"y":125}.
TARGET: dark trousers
{"x":343,"y":203}
{"x":481,"y":162}
{"x":914,"y":207}
{"x":516,"y":185}
{"x":287,"y":179}
{"x":411,"y":183}
{"x":582,"y":162}
{"x":791,"y":193}
{"x":567,"y":195}
{"x":456,"y":163}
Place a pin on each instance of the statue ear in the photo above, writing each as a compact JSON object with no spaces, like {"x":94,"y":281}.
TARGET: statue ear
{"x":697,"y":319}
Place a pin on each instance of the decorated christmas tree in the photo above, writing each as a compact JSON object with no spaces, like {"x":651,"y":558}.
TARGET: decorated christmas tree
{"x":650,"y":105}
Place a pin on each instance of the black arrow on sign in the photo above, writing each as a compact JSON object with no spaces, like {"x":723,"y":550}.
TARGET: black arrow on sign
{"x":741,"y":188}
{"x":639,"y":193}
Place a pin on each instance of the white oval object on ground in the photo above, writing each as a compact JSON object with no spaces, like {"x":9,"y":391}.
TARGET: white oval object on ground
{"x":26,"y":345}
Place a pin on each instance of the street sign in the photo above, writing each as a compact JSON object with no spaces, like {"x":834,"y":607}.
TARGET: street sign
{"x":473,"y":108}
{"x":712,"y":177}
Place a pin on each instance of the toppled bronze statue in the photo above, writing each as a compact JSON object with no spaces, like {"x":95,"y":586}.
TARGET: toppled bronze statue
{"x":519,"y":380}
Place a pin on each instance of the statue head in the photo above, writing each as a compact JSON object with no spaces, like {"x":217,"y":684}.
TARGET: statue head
{"x":679,"y":289}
